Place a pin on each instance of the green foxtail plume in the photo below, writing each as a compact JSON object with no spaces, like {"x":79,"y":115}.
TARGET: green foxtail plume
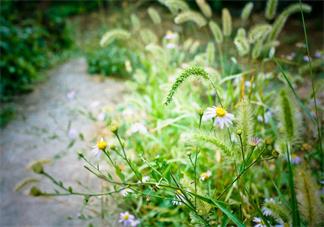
{"x":242,"y":44}
{"x":282,"y":18}
{"x":135,"y":21}
{"x":259,"y":32}
{"x":191,"y":71}
{"x":217,"y":33}
{"x":210,"y":52}
{"x":175,"y":6}
{"x":309,"y":201}
{"x":288,"y":116}
{"x":246,"y":12}
{"x":245,"y":123}
{"x":154,"y":15}
{"x":113,"y":35}
{"x":241,"y":32}
{"x":148,"y":36}
{"x":225,"y":149}
{"x":278,"y":211}
{"x":204,"y":7}
{"x":227,"y":22}
{"x":194,"y":47}
{"x":271,"y":9}
{"x":296,"y":8}
{"x":257,"y":49}
{"x":195,"y":17}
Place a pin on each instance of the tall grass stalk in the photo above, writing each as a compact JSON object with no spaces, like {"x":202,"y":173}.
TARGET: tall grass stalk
{"x":319,"y":130}
{"x":293,"y":200}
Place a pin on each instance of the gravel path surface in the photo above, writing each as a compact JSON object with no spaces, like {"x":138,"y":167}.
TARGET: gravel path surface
{"x":49,"y":119}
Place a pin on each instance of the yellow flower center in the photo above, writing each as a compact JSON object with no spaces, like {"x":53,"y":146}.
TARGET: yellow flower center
{"x":102,"y":145}
{"x":126,"y":216}
{"x":220,"y":112}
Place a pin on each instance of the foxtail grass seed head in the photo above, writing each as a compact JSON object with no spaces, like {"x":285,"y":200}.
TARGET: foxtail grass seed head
{"x":187,"y":16}
{"x":271,"y":9}
{"x":204,"y":7}
{"x":227,"y":22}
{"x":154,"y":15}
{"x":221,"y":117}
{"x":246,"y":12}
{"x":110,"y":36}
{"x":216,"y":31}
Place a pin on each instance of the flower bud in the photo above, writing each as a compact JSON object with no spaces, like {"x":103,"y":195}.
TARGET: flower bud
{"x":275,"y":154}
{"x":37,"y":168}
{"x":34,"y":191}
{"x":114,"y":127}
{"x":239,"y":132}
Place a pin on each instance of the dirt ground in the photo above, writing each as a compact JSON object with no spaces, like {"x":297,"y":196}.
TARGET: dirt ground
{"x":49,"y":119}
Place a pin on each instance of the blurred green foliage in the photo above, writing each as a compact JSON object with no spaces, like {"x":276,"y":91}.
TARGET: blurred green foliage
{"x":114,"y":60}
{"x":32,"y":34}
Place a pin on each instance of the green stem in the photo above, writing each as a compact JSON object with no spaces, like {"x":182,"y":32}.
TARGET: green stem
{"x":240,"y":174}
{"x":125,"y":157}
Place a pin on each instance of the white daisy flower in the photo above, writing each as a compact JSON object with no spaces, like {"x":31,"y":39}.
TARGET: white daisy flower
{"x":137,"y":127}
{"x":222,"y":117}
{"x":205,"y":176}
{"x":100,"y":146}
{"x":125,"y":192}
{"x":259,"y":222}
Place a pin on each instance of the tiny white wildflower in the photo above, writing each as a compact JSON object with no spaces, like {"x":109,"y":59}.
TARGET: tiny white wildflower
{"x":72,"y":134}
{"x":170,"y":35}
{"x":125,"y":192}
{"x":171,"y":46}
{"x":145,"y":179}
{"x":222,"y":117}
{"x":205,"y":176}
{"x":266,"y":211}
{"x":100,"y":146}
{"x":71,"y":95}
{"x":259,"y":222}
{"x":137,"y":127}
{"x":176,"y":202}
{"x":267,"y":116}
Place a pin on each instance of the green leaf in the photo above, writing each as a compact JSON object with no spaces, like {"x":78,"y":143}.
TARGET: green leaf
{"x":228,"y":213}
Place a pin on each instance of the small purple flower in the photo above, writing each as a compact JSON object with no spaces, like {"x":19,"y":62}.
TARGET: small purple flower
{"x":295,"y":159}
{"x":317,"y":54}
{"x":254,"y":141}
{"x":307,"y":59}
{"x":128,"y":219}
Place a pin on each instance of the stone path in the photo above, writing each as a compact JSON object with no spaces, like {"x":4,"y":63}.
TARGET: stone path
{"x":49,"y":119}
